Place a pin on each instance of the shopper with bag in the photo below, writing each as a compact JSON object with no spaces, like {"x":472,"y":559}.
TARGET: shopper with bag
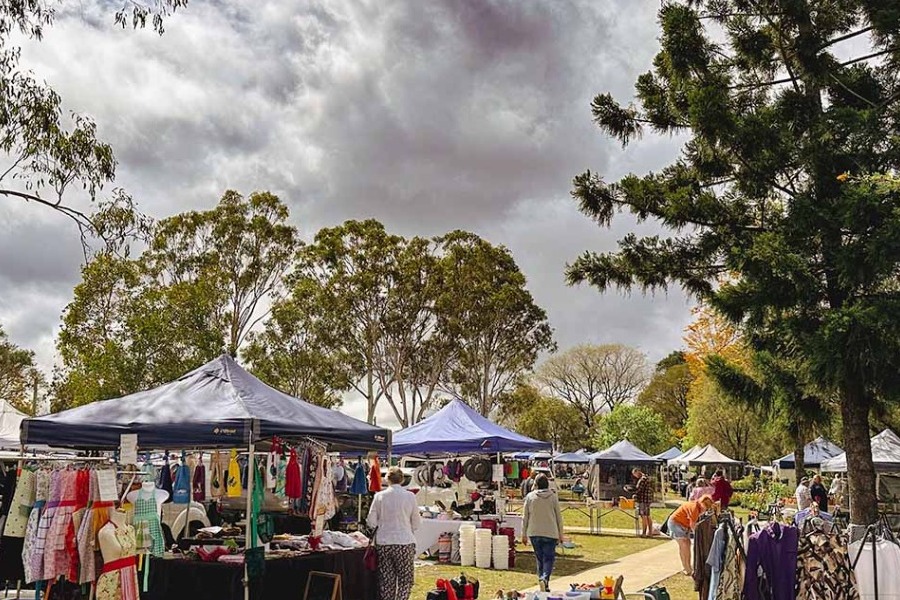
{"x":394,"y":515}
{"x":542,"y":524}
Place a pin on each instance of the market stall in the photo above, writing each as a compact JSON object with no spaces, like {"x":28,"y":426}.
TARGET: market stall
{"x":610,"y":480}
{"x":886,"y":459}
{"x":708,"y":458}
{"x":218,"y":406}
{"x":457,"y":431}
{"x":814,"y":454}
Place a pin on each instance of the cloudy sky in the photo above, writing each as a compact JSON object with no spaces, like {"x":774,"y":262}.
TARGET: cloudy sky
{"x":426,"y":115}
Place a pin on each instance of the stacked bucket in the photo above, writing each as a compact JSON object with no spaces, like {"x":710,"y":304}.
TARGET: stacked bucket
{"x":467,"y":545}
{"x":501,"y":552}
{"x":483,"y":548}
{"x":510,"y":534}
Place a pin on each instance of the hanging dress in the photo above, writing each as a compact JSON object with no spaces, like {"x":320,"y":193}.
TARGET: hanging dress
{"x":233,"y":481}
{"x":22,"y":501}
{"x":200,"y":481}
{"x":326,"y":502}
{"x":360,"y":484}
{"x":293,"y":486}
{"x":118,"y":579}
{"x":56,"y":555}
{"x":82,"y":495}
{"x":84,"y":537}
{"x":375,"y":476}
{"x":148,"y":530}
{"x":280,"y":476}
{"x":32,"y":556}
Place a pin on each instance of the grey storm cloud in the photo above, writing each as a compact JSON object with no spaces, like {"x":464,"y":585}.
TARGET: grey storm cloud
{"x":429,"y":116}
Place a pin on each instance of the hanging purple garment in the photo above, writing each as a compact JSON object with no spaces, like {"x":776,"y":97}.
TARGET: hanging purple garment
{"x":200,"y":483}
{"x":165,"y":479}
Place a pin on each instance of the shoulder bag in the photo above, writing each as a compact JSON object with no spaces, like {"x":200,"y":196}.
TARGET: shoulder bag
{"x":370,"y":558}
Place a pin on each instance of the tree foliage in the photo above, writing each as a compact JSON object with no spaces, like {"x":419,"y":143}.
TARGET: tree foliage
{"x":18,"y":374}
{"x":51,"y":158}
{"x":543,"y":418}
{"x":594,"y":378}
{"x":643,"y":427}
{"x":667,"y":392}
{"x":136,"y":323}
{"x":773,"y":188}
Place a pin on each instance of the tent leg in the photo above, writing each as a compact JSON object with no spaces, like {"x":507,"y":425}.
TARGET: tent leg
{"x":249,"y":542}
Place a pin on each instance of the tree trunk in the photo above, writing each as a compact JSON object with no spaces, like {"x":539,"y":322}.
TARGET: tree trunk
{"x":370,"y":400}
{"x":855,"y":408}
{"x":799,"y":459}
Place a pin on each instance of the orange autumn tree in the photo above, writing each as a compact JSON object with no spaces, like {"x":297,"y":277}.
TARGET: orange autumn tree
{"x":713,"y":418}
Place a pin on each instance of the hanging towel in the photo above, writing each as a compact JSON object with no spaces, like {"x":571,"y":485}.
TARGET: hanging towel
{"x":233,"y":481}
{"x":281,"y":477}
{"x":215,"y":476}
{"x":359,"y":485}
{"x":271,"y":471}
{"x":165,"y":479}
{"x":200,"y":481}
{"x":375,"y":476}
{"x":181,"y":488}
{"x":293,"y":486}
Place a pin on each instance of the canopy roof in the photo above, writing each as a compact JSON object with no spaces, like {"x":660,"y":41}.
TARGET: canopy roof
{"x":218,"y":405}
{"x":459,"y":429}
{"x":10,"y":424}
{"x":703,"y":455}
{"x":572,"y":457}
{"x":669,"y":454}
{"x":885,"y":455}
{"x":814,"y":453}
{"x":623,"y":452}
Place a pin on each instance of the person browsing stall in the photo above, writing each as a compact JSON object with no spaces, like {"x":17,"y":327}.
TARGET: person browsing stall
{"x":643,"y":497}
{"x":804,"y":499}
{"x":395,"y":516}
{"x":818,"y":493}
{"x":722,"y":490}
{"x":682,"y":522}
{"x":542,"y":525}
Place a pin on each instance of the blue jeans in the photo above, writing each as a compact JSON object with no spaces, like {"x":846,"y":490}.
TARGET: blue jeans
{"x":544,"y":554}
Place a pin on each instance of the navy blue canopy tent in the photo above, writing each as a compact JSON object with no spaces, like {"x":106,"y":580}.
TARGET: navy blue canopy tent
{"x":459,"y":429}
{"x":673,"y":452}
{"x":218,"y":405}
{"x":814,"y":454}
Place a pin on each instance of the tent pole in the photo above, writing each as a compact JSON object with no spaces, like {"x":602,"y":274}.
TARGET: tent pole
{"x":248,"y":541}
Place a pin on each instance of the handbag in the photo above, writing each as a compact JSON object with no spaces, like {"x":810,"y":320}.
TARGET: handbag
{"x":656,"y":592}
{"x":370,"y":558}
{"x":664,"y":529}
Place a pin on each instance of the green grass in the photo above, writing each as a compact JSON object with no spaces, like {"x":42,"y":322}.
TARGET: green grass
{"x":680,"y":587}
{"x":591,"y":551}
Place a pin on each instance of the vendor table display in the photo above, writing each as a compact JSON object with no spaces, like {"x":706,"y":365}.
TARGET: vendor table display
{"x":181,"y":579}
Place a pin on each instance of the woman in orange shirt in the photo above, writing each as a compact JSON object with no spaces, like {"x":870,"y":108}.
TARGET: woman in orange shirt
{"x":681,"y":524}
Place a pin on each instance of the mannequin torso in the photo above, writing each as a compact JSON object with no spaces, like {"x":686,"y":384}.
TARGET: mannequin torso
{"x":148,"y":487}
{"x":111,"y":547}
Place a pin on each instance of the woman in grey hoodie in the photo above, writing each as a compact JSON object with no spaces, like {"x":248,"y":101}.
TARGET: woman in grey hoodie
{"x":543,"y":526}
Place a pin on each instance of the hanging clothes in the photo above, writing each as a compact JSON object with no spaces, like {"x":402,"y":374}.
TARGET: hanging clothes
{"x":310,"y":471}
{"x":293,"y":486}
{"x":326,"y":501}
{"x":360,"y":485}
{"x":32,"y":550}
{"x":823,"y":568}
{"x":887,"y":553}
{"x":56,"y":555}
{"x":199,"y":492}
{"x":20,"y":508}
{"x":772,"y":563}
{"x":704,"y":532}
{"x":281,"y":476}
{"x":164,"y":482}
{"x":85,"y":537}
{"x":181,"y":487}
{"x":375,"y":476}
{"x":727,"y":566}
{"x":233,"y":478}
{"x":271,"y":478}
{"x":340,"y":477}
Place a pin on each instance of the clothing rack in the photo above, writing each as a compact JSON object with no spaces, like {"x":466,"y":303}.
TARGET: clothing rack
{"x":731,"y":529}
{"x":883,"y":529}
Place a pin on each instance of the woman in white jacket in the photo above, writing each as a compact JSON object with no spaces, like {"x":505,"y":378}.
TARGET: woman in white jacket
{"x":543,"y":527}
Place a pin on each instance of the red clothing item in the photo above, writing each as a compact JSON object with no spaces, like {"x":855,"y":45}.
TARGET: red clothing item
{"x":722,"y":491}
{"x":293,"y":484}
{"x":375,"y":476}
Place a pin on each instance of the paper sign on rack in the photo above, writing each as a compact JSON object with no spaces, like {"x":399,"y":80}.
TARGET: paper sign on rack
{"x":106,"y":482}
{"x":128,"y":449}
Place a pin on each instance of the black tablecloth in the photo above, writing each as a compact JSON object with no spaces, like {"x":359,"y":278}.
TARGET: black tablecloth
{"x":285,"y":578}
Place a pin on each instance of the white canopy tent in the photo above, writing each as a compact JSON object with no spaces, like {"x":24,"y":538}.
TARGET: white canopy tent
{"x":885,"y":455}
{"x":706,"y":455}
{"x":10,"y":425}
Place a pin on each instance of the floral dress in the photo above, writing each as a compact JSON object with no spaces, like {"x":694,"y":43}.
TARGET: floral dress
{"x":32,"y":560}
{"x":40,"y":548}
{"x":118,"y":580}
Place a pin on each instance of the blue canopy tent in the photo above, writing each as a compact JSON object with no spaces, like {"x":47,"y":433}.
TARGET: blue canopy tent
{"x":814,"y":454}
{"x":218,"y":405}
{"x":572,"y":457}
{"x":459,"y":429}
{"x":673,"y":452}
